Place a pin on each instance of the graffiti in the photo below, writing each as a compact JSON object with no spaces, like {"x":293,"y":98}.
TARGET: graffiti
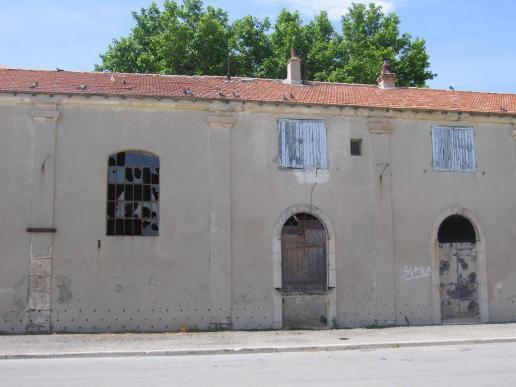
{"x":415,"y":272}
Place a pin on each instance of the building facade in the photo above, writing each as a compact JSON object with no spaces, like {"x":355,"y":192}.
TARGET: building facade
{"x":158,"y":203}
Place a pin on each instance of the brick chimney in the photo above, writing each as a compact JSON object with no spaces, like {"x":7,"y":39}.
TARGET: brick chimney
{"x":387,"y":79}
{"x":294,"y":75}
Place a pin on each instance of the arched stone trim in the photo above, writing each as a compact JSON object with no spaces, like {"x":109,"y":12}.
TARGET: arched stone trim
{"x":276,"y":260}
{"x":481,"y":262}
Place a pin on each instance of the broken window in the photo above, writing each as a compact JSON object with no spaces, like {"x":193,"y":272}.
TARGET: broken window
{"x":133,"y":193}
{"x":453,"y":149}
{"x":303,"y":254}
{"x":355,"y":147}
{"x":302,"y":144}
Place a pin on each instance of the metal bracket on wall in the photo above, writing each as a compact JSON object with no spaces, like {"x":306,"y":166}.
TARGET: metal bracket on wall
{"x":385,"y":166}
{"x":41,"y":229}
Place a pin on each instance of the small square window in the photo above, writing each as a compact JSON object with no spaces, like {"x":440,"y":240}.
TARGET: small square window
{"x":355,"y":147}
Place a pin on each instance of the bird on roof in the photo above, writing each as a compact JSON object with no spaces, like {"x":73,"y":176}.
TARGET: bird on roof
{"x":58,"y":69}
{"x":34,"y":85}
{"x":451,"y":88}
{"x":503,"y":109}
{"x":82,"y":87}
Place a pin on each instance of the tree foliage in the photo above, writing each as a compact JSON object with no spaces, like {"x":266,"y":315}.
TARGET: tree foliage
{"x":192,"y":39}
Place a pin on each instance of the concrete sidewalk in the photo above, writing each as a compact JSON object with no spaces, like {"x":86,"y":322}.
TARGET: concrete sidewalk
{"x":203,"y":343}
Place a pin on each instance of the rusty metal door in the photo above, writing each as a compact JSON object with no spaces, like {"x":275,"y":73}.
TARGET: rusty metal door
{"x":458,"y":281}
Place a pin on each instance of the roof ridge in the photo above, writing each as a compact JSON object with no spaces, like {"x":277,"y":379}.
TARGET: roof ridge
{"x":262,"y":79}
{"x":217,"y":87}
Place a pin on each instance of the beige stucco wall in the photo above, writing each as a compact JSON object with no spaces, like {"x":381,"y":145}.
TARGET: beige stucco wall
{"x":221,"y":195}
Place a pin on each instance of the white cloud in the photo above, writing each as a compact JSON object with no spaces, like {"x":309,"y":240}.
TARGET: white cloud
{"x":335,"y":8}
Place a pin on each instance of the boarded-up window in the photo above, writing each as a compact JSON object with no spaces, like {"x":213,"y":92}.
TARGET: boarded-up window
{"x":453,"y":149}
{"x":302,"y":144}
{"x":133,"y":193}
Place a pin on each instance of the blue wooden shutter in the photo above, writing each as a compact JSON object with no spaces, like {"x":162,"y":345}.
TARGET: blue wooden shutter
{"x":302,"y":144}
{"x":453,"y":149}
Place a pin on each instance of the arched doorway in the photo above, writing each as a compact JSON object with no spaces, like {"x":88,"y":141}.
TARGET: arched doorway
{"x":458,"y":270}
{"x":303,"y":254}
{"x":304,"y":272}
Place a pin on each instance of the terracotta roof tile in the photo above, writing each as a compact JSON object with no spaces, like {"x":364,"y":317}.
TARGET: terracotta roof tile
{"x":246,"y":89}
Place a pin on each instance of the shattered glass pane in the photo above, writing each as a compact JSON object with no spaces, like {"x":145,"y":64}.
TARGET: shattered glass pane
{"x":147,"y":160}
{"x":129,"y":175}
{"x":129,"y":192}
{"x":128,"y":227}
{"x":146,"y":175}
{"x":120,"y":192}
{"x":111,"y":209}
{"x":137,"y":175}
{"x":128,"y":209}
{"x":137,"y":210}
{"x":120,"y":175}
{"x":137,"y":192}
{"x":137,"y":159}
{"x":155,"y":193}
{"x":146,"y":210}
{"x":154,"y":210}
{"x":146,"y":192}
{"x":146,"y":230}
{"x":119,"y":210}
{"x":120,"y":159}
{"x":129,"y":159}
{"x":137,"y":227}
{"x":155,"y":175}
{"x":119,"y":227}
{"x":111,"y":192}
{"x":111,"y":175}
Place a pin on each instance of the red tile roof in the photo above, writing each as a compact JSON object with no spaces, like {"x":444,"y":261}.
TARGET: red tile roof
{"x":247,"y":89}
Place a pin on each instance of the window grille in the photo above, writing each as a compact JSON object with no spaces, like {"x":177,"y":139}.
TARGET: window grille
{"x":133,"y":193}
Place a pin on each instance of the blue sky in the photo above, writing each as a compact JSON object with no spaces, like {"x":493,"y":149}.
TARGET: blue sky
{"x":472,"y":43}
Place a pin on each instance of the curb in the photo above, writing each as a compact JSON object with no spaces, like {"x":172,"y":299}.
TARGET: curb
{"x":251,"y":350}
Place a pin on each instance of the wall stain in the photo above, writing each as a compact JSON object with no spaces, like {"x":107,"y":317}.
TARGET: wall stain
{"x":64,"y":288}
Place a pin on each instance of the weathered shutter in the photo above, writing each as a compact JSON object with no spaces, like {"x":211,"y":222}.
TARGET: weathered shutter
{"x":453,"y":149}
{"x":315,"y":144}
{"x":302,"y":143}
{"x":290,"y":144}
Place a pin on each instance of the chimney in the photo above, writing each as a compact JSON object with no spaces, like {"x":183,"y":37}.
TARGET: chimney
{"x":386,"y":80}
{"x":294,"y":75}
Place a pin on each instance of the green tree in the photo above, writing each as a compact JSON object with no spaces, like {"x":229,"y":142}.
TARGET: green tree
{"x":288,"y":33}
{"x":250,"y":45}
{"x":323,"y":54}
{"x":193,"y":39}
{"x":369,"y":37}
{"x":186,"y":39}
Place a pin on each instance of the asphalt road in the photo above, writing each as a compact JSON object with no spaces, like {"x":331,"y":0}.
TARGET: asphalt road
{"x":466,"y":365}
